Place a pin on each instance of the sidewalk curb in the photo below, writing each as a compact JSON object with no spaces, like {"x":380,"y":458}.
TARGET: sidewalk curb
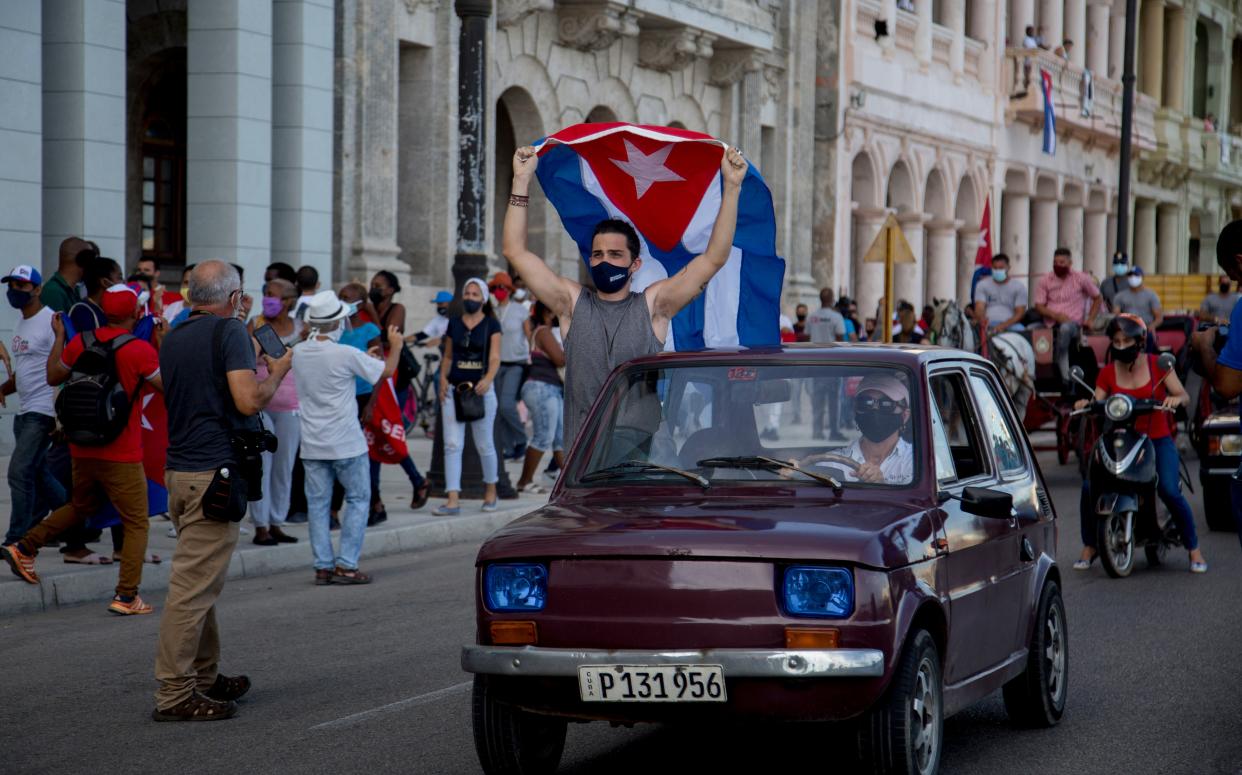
{"x":17,"y":597}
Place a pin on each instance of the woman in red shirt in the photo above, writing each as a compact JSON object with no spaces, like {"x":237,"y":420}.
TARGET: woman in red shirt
{"x":1133,"y":373}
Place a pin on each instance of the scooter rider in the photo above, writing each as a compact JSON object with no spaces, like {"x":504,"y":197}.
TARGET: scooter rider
{"x":1133,"y":372}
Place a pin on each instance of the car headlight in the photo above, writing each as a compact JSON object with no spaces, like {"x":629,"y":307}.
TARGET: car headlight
{"x":1231,"y":444}
{"x":517,"y":586}
{"x":1118,"y":407}
{"x":813,"y":591}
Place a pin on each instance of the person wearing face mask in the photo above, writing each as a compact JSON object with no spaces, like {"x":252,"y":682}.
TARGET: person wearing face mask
{"x":100,"y":275}
{"x":280,"y":417}
{"x":472,"y":361}
{"x":881,"y":411}
{"x":1135,"y":373}
{"x":32,"y":488}
{"x":1001,"y":300}
{"x":384,"y":289}
{"x":1217,"y":307}
{"x":799,"y":324}
{"x":433,"y":332}
{"x":515,"y":331}
{"x":1116,"y":281}
{"x":333,"y":445}
{"x":1140,"y":301}
{"x":1062,"y":297}
{"x":611,"y":324}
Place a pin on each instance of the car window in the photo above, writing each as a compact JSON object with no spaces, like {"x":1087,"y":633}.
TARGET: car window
{"x":945,"y":470}
{"x":960,"y":424}
{"x":998,"y":429}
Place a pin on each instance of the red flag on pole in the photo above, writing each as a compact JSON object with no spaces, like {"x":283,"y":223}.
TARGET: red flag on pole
{"x":983,"y":256}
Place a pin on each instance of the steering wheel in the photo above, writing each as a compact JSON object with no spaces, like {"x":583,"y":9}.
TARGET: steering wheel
{"x":832,"y":457}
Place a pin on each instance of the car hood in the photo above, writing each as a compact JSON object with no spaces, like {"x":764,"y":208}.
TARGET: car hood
{"x":862,"y":531}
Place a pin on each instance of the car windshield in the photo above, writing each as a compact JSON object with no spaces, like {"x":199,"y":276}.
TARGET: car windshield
{"x":842,"y":424}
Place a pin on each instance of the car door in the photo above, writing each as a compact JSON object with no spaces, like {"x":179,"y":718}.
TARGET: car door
{"x":973,"y":544}
{"x":1014,"y":584}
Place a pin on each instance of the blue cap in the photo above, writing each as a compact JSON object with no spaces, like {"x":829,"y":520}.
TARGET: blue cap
{"x":442,"y":297}
{"x":1137,"y":271}
{"x":25,"y":273}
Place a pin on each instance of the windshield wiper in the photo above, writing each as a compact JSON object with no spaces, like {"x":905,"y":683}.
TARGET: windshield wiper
{"x":628,"y":466}
{"x":769,"y":463}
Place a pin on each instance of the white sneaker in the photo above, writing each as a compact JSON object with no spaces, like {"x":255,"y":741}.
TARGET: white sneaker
{"x":172,"y":532}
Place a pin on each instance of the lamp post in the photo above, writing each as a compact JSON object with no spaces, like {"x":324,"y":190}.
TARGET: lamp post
{"x":1127,"y":128}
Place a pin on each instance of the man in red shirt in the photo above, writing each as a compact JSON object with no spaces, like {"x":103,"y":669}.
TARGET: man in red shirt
{"x":114,"y":469}
{"x":1062,"y":296}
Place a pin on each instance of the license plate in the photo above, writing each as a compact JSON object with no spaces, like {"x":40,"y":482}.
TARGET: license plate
{"x":651,"y":683}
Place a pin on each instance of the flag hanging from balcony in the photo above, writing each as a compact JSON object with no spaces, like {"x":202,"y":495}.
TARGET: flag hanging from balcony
{"x":666,"y":183}
{"x":1050,"y":116}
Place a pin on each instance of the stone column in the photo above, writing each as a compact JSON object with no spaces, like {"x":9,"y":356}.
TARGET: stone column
{"x":908,"y":278}
{"x":1044,"y":237}
{"x":1098,"y":21}
{"x":1110,"y":237}
{"x":1021,"y":15}
{"x":1207,"y":253}
{"x":83,"y":124}
{"x":1117,"y":41}
{"x":1151,"y":44}
{"x":229,"y":134}
{"x":1144,"y":235}
{"x":941,"y":258}
{"x":1076,"y":30}
{"x":868,"y":278}
{"x":1052,"y":19}
{"x":1175,"y":61}
{"x":1069,"y":231}
{"x":957,"y":49}
{"x":1222,"y":59}
{"x":1168,"y":251}
{"x":888,"y":12}
{"x":750,"y":98}
{"x":923,"y":34}
{"x":1016,"y":232}
{"x":1095,"y":256}
{"x":302,"y":85}
{"x":983,"y":21}
{"x":967,"y":248}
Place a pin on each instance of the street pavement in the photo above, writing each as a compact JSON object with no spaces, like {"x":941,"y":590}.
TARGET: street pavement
{"x":366,"y":679}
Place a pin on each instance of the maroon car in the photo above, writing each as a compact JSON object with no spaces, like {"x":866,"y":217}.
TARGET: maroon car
{"x":843,"y":533}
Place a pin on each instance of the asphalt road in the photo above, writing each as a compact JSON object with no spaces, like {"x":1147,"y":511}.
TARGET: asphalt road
{"x":367,"y":680}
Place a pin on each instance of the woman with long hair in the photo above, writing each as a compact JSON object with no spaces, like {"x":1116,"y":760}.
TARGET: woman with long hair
{"x":544,"y":396}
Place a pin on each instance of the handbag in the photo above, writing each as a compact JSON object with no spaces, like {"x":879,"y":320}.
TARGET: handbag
{"x":467,"y":404}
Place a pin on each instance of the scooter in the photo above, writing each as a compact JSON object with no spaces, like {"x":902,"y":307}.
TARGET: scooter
{"x":1122,"y":476}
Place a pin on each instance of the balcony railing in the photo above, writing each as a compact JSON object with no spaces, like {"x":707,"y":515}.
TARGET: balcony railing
{"x":1088,"y":107}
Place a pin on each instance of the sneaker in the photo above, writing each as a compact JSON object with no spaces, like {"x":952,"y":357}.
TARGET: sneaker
{"x":196,"y":708}
{"x":134,"y":606}
{"x":21,"y":563}
{"x":171,"y":532}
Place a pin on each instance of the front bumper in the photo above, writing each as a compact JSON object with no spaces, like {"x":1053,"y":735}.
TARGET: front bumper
{"x":534,"y":661}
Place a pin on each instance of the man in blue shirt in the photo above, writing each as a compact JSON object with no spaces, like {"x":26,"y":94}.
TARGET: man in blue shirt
{"x":1224,"y":371}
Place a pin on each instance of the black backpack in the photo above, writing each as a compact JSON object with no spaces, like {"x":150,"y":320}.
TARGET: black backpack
{"x":93,"y":406}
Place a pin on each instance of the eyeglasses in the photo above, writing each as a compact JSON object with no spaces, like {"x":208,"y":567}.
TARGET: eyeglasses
{"x":882,"y":404}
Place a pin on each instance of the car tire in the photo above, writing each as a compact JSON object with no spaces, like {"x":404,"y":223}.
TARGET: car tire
{"x":511,"y":741}
{"x":891,"y":740}
{"x":1037,"y":697}
{"x":1218,"y":507}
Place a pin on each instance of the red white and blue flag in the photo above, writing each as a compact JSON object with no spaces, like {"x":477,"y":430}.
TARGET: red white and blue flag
{"x":666,"y":183}
{"x":1050,"y":116}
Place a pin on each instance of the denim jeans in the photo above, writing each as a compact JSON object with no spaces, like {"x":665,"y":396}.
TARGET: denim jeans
{"x":510,"y":433}
{"x":1170,"y":490}
{"x":546,"y":403}
{"x":455,"y":440}
{"x":354,"y":474}
{"x":32,"y":487}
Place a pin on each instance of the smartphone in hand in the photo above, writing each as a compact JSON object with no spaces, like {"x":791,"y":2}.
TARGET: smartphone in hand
{"x":269,"y":341}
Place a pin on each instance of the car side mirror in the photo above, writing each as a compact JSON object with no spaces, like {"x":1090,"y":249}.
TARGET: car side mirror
{"x":983,"y":502}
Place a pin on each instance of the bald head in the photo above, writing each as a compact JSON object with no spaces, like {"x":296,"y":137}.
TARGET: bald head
{"x":212,"y":283}
{"x":75,"y":253}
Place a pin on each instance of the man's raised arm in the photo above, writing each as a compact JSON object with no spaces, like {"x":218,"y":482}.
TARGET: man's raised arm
{"x":559,"y":293}
{"x":669,"y":296}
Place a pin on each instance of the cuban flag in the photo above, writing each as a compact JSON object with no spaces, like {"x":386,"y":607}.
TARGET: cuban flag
{"x":1050,"y":116}
{"x":666,"y":183}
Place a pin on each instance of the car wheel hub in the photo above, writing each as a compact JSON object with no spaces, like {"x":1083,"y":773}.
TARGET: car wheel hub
{"x":1054,"y":654}
{"x":924,"y":712}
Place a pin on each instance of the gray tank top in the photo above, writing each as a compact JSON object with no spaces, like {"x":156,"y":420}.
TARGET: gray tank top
{"x":602,"y":335}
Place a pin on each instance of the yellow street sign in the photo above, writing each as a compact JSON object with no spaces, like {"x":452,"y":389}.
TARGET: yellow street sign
{"x":890,"y":241}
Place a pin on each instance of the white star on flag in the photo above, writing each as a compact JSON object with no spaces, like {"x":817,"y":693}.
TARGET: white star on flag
{"x":646,"y":169}
{"x":146,"y":424}
{"x":983,"y":239}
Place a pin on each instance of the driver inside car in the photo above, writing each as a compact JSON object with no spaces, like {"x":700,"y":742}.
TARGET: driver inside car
{"x":881,"y":411}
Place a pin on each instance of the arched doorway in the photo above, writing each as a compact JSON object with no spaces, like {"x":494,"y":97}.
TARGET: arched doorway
{"x":867,"y":219}
{"x":901,"y":197}
{"x":601,"y":115}
{"x":517,"y":124}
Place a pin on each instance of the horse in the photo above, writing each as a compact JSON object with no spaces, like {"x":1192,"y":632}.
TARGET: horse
{"x":1010,"y":351}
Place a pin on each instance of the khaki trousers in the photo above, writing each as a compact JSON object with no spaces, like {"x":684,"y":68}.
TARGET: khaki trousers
{"x":125,"y":484}
{"x":189,"y":647}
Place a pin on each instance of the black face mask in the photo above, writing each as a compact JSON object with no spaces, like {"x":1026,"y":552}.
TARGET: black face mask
{"x":1224,"y":287}
{"x":376,"y":295}
{"x":609,"y":278}
{"x":877,"y":426}
{"x":472,"y":306}
{"x":442,"y":310}
{"x":1125,"y":354}
{"x":801,"y":316}
{"x":19,"y":299}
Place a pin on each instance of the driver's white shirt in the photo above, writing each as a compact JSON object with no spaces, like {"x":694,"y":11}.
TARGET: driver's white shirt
{"x":897,"y":468}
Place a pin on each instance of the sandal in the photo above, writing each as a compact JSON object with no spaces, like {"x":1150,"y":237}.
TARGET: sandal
{"x":196,"y":708}
{"x":531,"y":488}
{"x":88,"y":559}
{"x":322,"y":577}
{"x":350,"y":576}
{"x":446,"y":511}
{"x":228,"y":689}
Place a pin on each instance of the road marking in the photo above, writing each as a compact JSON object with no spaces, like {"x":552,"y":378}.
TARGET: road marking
{"x":408,"y":702}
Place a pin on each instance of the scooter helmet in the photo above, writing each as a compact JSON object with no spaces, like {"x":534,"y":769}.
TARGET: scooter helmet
{"x":1130,"y":325}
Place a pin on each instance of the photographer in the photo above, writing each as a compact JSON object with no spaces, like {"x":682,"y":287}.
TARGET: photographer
{"x":213,"y":397}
